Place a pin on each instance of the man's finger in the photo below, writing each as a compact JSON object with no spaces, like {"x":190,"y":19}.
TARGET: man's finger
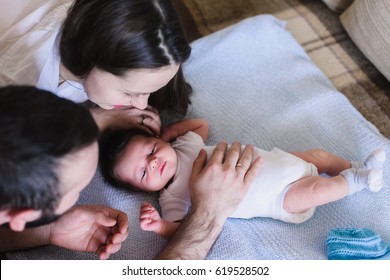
{"x":245,"y":160}
{"x":253,"y":171}
{"x":218,"y":154}
{"x":199,"y":163}
{"x":233,"y":154}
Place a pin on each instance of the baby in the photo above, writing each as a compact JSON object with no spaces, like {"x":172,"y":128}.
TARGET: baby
{"x":287,"y":188}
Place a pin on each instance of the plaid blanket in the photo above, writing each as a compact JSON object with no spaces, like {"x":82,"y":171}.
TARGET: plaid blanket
{"x":319,"y":32}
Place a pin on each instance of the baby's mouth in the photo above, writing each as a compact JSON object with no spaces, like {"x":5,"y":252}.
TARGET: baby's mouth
{"x":162,"y":168}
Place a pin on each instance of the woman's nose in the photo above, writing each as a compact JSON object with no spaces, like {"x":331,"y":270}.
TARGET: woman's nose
{"x":140,"y":102}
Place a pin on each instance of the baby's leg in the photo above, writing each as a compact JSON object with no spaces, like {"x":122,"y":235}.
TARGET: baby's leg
{"x":314,"y":191}
{"x":325,"y":161}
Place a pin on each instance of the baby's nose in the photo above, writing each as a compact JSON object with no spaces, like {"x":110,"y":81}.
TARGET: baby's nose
{"x":152,"y":163}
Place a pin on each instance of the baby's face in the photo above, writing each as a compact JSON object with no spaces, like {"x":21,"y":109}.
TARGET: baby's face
{"x":147,"y":163}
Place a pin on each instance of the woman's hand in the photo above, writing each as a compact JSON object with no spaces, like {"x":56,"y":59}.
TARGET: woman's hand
{"x":126,"y":117}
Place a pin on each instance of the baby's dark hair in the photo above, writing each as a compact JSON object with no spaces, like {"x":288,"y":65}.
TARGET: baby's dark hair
{"x":111,"y":145}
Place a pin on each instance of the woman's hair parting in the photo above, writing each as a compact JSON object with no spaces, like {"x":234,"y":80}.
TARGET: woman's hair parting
{"x":119,"y":35}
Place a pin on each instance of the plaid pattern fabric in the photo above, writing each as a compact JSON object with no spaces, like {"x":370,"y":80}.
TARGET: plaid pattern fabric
{"x":320,"y":33}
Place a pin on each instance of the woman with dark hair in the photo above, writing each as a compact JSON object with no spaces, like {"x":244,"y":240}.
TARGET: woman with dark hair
{"x":114,"y":53}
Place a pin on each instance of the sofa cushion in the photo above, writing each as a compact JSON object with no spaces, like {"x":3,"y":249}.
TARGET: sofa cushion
{"x":367,"y":23}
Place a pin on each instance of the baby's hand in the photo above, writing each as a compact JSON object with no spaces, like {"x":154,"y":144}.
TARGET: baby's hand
{"x":149,"y":218}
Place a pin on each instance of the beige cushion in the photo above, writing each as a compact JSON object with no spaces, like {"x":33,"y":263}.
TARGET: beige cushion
{"x":367,"y":23}
{"x":338,"y":5}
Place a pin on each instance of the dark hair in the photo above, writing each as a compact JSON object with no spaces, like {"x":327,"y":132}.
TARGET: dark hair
{"x":37,"y":130}
{"x":119,"y":35}
{"x":111,"y":145}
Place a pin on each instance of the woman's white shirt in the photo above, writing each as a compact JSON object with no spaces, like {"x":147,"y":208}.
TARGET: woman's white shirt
{"x":29,"y":38}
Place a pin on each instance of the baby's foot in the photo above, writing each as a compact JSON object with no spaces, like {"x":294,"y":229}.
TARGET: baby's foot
{"x":375,"y":179}
{"x":374,"y":160}
{"x":359,"y":179}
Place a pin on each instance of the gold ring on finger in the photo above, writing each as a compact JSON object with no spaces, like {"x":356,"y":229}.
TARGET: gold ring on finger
{"x":240,"y":165}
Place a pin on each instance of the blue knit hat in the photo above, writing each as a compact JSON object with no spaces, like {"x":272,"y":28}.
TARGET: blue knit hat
{"x":354,"y":243}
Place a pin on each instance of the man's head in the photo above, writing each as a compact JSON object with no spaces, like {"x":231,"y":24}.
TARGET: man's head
{"x":48,"y":154}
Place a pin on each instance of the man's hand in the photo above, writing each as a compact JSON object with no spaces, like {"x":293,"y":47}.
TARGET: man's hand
{"x":219,"y":185}
{"x":217,"y":188}
{"x":90,"y":228}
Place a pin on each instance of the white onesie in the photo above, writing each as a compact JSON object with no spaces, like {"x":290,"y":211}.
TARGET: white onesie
{"x":265,"y":196}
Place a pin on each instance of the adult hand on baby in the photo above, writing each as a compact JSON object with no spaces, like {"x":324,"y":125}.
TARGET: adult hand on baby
{"x":218,"y":186}
{"x":90,"y":228}
{"x":128,"y":117}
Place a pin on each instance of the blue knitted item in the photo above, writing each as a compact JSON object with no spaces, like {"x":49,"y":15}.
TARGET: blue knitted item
{"x":354,"y":243}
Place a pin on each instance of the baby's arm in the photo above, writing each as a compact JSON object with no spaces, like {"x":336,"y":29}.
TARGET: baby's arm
{"x":199,"y":126}
{"x":150,"y":220}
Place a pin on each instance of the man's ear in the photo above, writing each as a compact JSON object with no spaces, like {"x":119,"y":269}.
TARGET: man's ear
{"x":17,"y":219}
{"x":4,"y":217}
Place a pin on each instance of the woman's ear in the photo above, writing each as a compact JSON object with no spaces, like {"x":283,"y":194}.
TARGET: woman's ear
{"x":17,"y":219}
